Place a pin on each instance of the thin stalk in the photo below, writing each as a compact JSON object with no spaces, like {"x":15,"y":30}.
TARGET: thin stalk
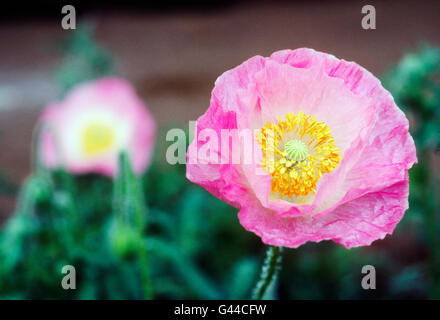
{"x":145,"y":272}
{"x":269,"y":272}
{"x":131,"y":210}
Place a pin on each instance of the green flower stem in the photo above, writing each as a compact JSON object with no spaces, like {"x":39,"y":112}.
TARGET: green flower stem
{"x":131,"y":211}
{"x":145,"y":273}
{"x":269,"y":272}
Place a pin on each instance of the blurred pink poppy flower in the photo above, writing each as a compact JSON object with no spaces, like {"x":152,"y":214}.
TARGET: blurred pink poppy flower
{"x":97,"y":120}
{"x":338,"y":166}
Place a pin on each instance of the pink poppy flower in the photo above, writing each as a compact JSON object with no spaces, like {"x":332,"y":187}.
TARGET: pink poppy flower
{"x":331,"y":150}
{"x":86,"y":131}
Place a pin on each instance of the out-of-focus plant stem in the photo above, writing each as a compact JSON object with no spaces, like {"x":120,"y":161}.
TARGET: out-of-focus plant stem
{"x":131,"y":211}
{"x":269,"y":272}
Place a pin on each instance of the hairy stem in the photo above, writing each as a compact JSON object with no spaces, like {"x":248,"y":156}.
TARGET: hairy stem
{"x":269,"y":272}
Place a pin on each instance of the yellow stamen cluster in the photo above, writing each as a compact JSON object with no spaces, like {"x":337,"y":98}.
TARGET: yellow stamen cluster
{"x":297,"y":151}
{"x":97,"y":138}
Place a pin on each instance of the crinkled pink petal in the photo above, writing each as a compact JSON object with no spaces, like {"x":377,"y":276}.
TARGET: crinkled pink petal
{"x":355,"y":223}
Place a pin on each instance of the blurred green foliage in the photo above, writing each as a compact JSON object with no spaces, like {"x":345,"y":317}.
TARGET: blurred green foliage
{"x":415,"y":85}
{"x":160,"y":236}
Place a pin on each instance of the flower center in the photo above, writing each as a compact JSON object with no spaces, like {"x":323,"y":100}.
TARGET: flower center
{"x":297,"y":151}
{"x":97,"y":138}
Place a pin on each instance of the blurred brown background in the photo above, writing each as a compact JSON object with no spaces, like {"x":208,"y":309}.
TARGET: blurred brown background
{"x":173,"y":54}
